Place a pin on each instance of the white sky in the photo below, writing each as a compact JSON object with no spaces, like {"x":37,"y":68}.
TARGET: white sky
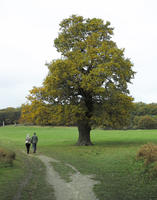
{"x":29,"y":27}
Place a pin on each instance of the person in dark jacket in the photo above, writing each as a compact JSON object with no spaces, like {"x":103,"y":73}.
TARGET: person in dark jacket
{"x":28,"y":143}
{"x":34,"y":141}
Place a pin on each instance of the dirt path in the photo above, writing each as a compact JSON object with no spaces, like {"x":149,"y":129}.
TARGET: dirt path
{"x":80,"y":188}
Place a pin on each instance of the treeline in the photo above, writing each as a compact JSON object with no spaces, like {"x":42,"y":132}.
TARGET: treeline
{"x":9,"y":116}
{"x":143,"y":116}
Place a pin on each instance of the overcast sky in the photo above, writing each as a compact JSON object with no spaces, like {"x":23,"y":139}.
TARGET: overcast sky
{"x":29,"y":27}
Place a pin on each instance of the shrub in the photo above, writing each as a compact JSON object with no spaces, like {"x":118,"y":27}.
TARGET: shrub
{"x":148,"y":154}
{"x":6,"y":157}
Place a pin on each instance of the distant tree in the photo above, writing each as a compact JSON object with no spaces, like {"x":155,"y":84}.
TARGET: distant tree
{"x":147,"y":122}
{"x":141,"y":109}
{"x":88,"y":85}
{"x":9,"y":115}
{"x":141,"y":113}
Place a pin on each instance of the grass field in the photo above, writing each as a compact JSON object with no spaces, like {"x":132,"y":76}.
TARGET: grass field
{"x":112,"y":159}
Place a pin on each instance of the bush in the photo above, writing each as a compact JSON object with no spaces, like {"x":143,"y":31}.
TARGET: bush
{"x":148,"y":155}
{"x":6,"y":157}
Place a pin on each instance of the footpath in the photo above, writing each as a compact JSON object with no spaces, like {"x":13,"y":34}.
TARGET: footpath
{"x":79,"y":188}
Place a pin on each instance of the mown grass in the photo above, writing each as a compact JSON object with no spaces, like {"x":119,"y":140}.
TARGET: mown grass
{"x":64,"y":170}
{"x":112,"y":158}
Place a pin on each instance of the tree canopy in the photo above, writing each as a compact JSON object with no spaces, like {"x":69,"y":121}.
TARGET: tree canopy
{"x":88,"y":85}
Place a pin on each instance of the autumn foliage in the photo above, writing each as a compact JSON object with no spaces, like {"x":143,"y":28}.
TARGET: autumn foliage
{"x":87,"y":86}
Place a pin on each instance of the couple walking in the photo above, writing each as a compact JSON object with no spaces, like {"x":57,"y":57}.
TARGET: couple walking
{"x":33,"y":140}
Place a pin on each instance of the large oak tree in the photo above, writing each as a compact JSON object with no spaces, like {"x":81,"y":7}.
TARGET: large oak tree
{"x":88,"y":85}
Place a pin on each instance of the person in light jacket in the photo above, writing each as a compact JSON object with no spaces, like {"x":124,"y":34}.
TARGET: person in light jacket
{"x":28,"y":143}
{"x":34,"y":141}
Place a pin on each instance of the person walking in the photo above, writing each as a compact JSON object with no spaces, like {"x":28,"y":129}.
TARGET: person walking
{"x":28,"y":143}
{"x":34,"y":142}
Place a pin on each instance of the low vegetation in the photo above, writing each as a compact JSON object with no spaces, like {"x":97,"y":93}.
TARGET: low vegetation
{"x":6,"y":157}
{"x":64,"y":170}
{"x":147,"y":154}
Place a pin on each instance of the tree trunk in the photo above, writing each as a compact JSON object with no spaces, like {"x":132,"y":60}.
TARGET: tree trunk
{"x":84,"y":134}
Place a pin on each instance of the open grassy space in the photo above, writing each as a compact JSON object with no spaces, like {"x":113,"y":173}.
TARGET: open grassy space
{"x":112,"y":159}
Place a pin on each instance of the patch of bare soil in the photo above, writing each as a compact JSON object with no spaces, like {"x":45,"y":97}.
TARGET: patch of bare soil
{"x":80,"y":188}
